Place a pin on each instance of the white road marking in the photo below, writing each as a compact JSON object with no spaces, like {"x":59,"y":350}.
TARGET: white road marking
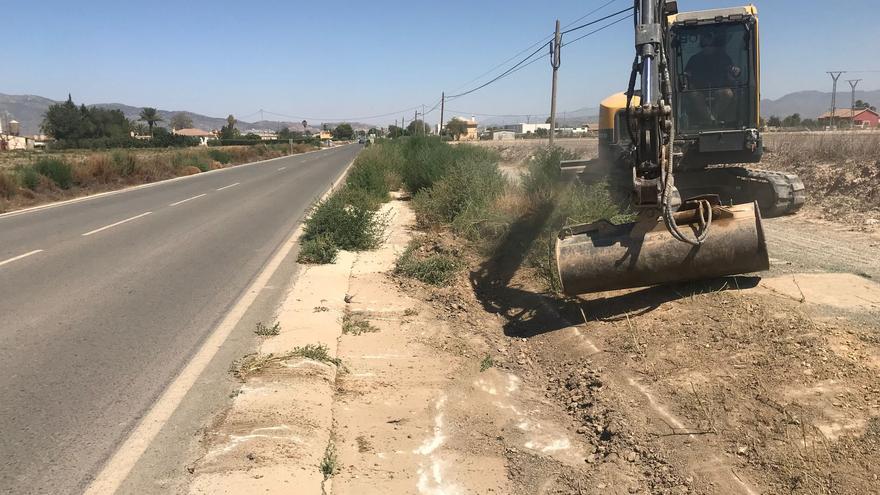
{"x":282,"y":168}
{"x":188,"y":199}
{"x":227,"y":187}
{"x":20,"y":256}
{"x":123,"y":460}
{"x":117,"y":223}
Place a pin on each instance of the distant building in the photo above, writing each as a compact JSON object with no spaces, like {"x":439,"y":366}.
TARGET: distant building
{"x":844,"y":117}
{"x":471,"y":133}
{"x":9,"y":142}
{"x":203,"y":136}
{"x":524,"y":128}
{"x":503,"y":135}
{"x":264,"y":134}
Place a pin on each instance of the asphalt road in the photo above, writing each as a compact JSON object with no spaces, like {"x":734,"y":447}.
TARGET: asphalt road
{"x":103,"y":301}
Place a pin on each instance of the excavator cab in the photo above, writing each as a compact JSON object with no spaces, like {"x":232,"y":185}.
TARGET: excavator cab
{"x":715,"y":71}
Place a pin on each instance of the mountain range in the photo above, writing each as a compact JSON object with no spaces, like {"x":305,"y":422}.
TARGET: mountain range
{"x":29,"y":111}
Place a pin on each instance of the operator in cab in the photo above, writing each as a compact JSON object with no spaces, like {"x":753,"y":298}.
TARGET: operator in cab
{"x":711,"y":72}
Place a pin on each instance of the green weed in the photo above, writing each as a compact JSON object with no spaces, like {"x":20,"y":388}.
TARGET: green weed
{"x":434,"y":269}
{"x":354,"y":324}
{"x":317,"y":250}
{"x":56,"y":169}
{"x":267,"y":331}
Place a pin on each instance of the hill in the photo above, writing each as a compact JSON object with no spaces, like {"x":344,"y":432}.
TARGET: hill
{"x":811,"y":104}
{"x":30,"y":109}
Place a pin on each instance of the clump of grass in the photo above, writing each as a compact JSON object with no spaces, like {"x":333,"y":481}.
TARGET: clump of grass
{"x":56,"y":169}
{"x":434,"y":269}
{"x":8,"y":186}
{"x":267,"y":331}
{"x":329,"y":464}
{"x":28,"y":177}
{"x":345,"y":221}
{"x":410,"y":312}
{"x":486,"y":363}
{"x":219,"y":155}
{"x":316,"y":352}
{"x":469,"y":186}
{"x":542,"y":180}
{"x":354,"y":324}
{"x":318,"y":250}
{"x":124,"y":162}
{"x":254,"y":363}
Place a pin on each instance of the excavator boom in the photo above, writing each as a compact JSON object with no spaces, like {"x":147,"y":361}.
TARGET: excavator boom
{"x":672,"y":240}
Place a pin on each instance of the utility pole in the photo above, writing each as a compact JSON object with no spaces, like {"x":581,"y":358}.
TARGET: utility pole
{"x":442,"y":105}
{"x":423,"y":120}
{"x":835,"y":75}
{"x":852,"y":108}
{"x":415,"y":129}
{"x":554,"y":63}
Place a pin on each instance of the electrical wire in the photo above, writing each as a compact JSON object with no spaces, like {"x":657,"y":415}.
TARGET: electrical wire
{"x":597,"y":21}
{"x":533,"y":45}
{"x":500,"y":76}
{"x":597,"y":30}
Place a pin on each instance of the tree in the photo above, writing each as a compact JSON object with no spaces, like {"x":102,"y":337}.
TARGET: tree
{"x":343,"y":131}
{"x":62,"y":120}
{"x":66,"y":121}
{"x":395,"y":131}
{"x":774,"y":122}
{"x":456,"y":127}
{"x":181,"y":120}
{"x":286,"y":133}
{"x":793,"y":120}
{"x":861,"y":105}
{"x":150,"y":115}
{"x":252,"y":137}
{"x":373,"y":132}
{"x":541,"y":132}
{"x":418,"y":127}
{"x":809,"y":123}
{"x":229,"y":131}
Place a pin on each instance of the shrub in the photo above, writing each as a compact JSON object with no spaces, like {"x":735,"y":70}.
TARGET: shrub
{"x":124,"y":162}
{"x":56,"y":169}
{"x":544,"y":173}
{"x":28,"y":177}
{"x":469,"y":186}
{"x":317,"y":250}
{"x":219,"y":155}
{"x":8,"y":186}
{"x":348,"y":224}
{"x":372,"y":173}
{"x":434,"y":269}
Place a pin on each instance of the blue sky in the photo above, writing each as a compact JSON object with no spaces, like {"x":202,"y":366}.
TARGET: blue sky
{"x":327,"y":60}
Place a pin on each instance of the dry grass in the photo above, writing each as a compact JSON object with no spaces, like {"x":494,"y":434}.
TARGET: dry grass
{"x":841,"y":171}
{"x":24,"y":183}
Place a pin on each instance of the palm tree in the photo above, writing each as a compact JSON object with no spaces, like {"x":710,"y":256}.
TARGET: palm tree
{"x":150,"y":116}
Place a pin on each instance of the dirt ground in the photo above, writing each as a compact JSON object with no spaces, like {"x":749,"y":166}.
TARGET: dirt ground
{"x":487,"y":384}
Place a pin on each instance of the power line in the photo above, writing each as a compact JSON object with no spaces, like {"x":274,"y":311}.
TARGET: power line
{"x":500,"y":76}
{"x":597,"y":21}
{"x":542,"y":41}
{"x":596,"y":30}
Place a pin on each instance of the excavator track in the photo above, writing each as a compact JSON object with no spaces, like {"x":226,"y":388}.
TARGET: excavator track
{"x":777,"y":193}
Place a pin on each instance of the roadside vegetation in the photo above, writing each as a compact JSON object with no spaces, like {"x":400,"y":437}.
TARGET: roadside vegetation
{"x":456,"y":189}
{"x":27,"y":179}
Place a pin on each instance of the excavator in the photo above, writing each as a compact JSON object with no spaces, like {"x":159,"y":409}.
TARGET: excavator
{"x":677,"y":141}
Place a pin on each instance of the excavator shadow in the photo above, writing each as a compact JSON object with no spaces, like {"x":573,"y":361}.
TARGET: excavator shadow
{"x":641,"y":301}
{"x":529,"y":313}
